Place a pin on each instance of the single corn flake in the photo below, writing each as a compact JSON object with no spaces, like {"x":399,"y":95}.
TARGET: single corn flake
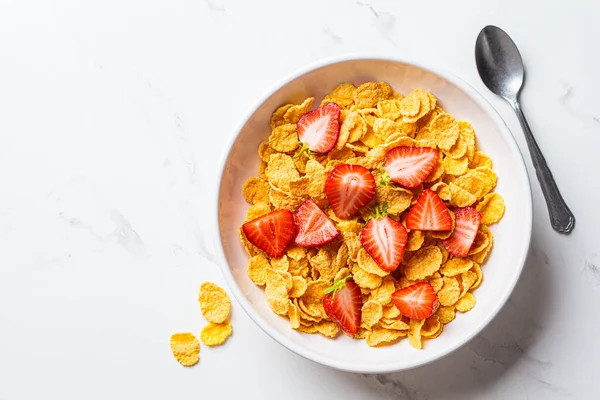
{"x":371,"y":314}
{"x":477,"y":270}
{"x":456,"y":166}
{"x":294,"y":315}
{"x":480,"y":159}
{"x":281,"y":264}
{"x":298,"y":287}
{"x":456,"y":266}
{"x":468,"y":279}
{"x":281,"y":170}
{"x":431,"y":326}
{"x":391,"y":312}
{"x":293,"y":114}
{"x":382,"y":336}
{"x":369,"y":94}
{"x":397,"y":198}
{"x":414,"y":333}
{"x":383,"y":294}
{"x":284,"y":138}
{"x":214,"y":303}
{"x":185,"y":348}
{"x":491,"y":208}
{"x":466,"y":303}
{"x":343,"y":95}
{"x":423,"y":263}
{"x":312,"y":299}
{"x":366,"y":280}
{"x":389,"y":109}
{"x":277,"y":117}
{"x":258,"y":210}
{"x":446,"y":314}
{"x":415,"y":240}
{"x":256,"y":190}
{"x":215,"y":334}
{"x":276,"y":292}
{"x":449,"y":293}
{"x":446,"y":130}
{"x":257,"y":269}
{"x":264,"y":151}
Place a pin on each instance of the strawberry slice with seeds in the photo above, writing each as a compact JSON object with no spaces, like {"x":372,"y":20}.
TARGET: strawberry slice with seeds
{"x":271,"y":232}
{"x":409,"y":166}
{"x":416,"y":301}
{"x":459,"y":243}
{"x":384,"y":239}
{"x":429,"y":213}
{"x":348,"y":188}
{"x":318,"y":130}
{"x":343,"y":304}
{"x":314,"y":227}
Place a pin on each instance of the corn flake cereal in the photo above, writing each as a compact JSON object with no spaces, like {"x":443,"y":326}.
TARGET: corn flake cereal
{"x":466,"y":303}
{"x":185,"y":348}
{"x":214,"y":303}
{"x":373,"y":120}
{"x":215,"y":334}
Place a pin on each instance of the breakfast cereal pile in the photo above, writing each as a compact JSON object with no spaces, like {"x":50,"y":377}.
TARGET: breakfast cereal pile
{"x":370,"y":215}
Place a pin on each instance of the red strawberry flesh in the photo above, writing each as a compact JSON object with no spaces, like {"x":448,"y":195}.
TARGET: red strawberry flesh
{"x":409,"y":166}
{"x":314,"y":227}
{"x":459,"y":243}
{"x":429,"y":213}
{"x":344,"y":307}
{"x":319,"y":129}
{"x":271,"y":232}
{"x":417,"y":301}
{"x":348,"y":188}
{"x":384,"y":239}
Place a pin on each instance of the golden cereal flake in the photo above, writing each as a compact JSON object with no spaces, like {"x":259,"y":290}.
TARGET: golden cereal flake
{"x":456,"y":266}
{"x":284,"y":138}
{"x":293,"y":114}
{"x":214,"y":303}
{"x":414,"y":333}
{"x":257,"y":269}
{"x":256,"y":190}
{"x":185,"y":348}
{"x":466,"y":303}
{"x":491,"y":208}
{"x":382,"y":336}
{"x":423,"y":263}
{"x":277,"y":117}
{"x":215,"y":334}
{"x":371,"y":313}
{"x":369,"y":94}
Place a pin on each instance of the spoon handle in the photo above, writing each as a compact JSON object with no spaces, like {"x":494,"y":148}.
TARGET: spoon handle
{"x":561,"y":218}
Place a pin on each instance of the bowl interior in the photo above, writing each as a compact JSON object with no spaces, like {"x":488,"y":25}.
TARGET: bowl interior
{"x":511,"y":235}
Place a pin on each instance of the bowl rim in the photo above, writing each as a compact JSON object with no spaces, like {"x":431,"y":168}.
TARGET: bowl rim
{"x":325,"y":360}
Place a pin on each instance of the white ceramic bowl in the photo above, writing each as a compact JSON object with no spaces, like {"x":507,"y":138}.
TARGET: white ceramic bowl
{"x":512,"y":235}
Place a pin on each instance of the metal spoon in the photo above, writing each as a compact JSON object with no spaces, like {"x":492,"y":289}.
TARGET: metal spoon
{"x":501,"y":69}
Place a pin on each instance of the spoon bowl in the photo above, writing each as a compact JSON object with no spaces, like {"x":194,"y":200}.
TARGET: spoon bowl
{"x":499,"y":62}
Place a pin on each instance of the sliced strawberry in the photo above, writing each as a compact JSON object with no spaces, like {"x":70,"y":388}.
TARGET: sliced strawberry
{"x":459,"y":243}
{"x":429,"y":213}
{"x":384,"y":239}
{"x":314,"y":227}
{"x":348,"y":188}
{"x":416,"y":301}
{"x":319,"y":129}
{"x":343,"y":304}
{"x":271,"y":232}
{"x":409,"y":166}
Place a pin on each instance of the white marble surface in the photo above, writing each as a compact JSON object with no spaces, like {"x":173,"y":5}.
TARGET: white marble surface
{"x":112,"y":117}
